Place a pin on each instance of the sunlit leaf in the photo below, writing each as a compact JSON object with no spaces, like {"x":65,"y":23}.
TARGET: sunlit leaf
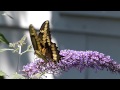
{"x":37,"y":76}
{"x":3,"y":39}
{"x":21,"y":42}
{"x":2,"y":73}
{"x":17,"y":76}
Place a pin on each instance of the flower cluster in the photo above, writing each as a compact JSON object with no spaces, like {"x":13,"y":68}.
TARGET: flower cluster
{"x":71,"y":58}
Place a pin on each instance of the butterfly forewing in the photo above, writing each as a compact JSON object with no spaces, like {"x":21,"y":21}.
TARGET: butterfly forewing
{"x":33,"y":35}
{"x":43,"y":34}
{"x":36,"y":41}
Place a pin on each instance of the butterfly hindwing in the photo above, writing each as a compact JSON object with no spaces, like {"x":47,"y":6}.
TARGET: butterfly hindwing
{"x":55,"y":52}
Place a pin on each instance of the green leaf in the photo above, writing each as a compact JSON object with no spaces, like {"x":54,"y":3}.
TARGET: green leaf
{"x":17,"y":76}
{"x":3,"y":73}
{"x":3,"y":39}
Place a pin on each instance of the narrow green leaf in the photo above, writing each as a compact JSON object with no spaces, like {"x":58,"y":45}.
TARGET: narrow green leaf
{"x":3,"y":39}
{"x":2,"y":77}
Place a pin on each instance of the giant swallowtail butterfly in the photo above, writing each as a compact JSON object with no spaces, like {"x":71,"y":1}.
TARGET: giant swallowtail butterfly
{"x":42,"y":44}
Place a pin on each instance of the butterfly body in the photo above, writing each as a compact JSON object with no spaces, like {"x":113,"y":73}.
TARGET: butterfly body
{"x":42,"y":44}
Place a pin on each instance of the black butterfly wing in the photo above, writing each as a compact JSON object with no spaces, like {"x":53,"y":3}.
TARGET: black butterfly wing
{"x":33,"y":35}
{"x":42,"y":44}
{"x":37,"y":43}
{"x":45,"y":33}
{"x":52,"y":51}
{"x":55,"y":53}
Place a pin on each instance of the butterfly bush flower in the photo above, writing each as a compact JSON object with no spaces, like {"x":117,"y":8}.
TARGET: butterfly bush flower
{"x":73,"y":59}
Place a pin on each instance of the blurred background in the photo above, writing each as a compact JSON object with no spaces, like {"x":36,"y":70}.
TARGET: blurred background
{"x":76,"y":30}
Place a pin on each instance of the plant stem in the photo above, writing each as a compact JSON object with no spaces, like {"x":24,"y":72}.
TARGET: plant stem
{"x":19,"y":55}
{"x":26,"y":51}
{"x":18,"y":63}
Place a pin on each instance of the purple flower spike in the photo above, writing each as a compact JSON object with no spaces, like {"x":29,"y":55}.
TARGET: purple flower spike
{"x":71,"y":58}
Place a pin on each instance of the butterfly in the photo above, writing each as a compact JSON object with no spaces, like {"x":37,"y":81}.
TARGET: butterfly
{"x":43,"y":46}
